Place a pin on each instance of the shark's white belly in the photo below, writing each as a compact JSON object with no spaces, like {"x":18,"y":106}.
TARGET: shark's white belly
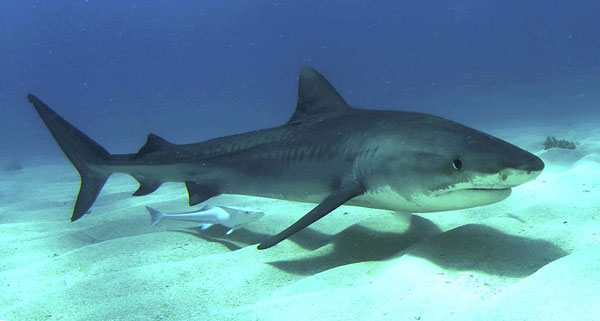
{"x":384,"y":198}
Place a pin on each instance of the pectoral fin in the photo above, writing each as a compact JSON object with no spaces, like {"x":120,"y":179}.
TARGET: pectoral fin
{"x":330,"y":203}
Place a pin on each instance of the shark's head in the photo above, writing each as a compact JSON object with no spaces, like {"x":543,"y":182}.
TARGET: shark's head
{"x":433,"y":164}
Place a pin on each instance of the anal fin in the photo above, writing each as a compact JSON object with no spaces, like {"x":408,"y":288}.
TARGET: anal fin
{"x":330,"y":203}
{"x":146,"y":188}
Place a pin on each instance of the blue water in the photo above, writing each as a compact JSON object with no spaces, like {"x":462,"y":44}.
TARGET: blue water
{"x":191,"y":70}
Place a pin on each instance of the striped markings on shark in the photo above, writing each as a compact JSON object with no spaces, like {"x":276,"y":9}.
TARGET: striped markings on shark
{"x":329,"y":153}
{"x":234,"y":218}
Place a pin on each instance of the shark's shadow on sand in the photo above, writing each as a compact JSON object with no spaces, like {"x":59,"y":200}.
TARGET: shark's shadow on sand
{"x":469,"y":247}
{"x":478,"y":247}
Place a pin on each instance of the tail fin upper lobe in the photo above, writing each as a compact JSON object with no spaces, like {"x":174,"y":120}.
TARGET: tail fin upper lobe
{"x":86,"y":155}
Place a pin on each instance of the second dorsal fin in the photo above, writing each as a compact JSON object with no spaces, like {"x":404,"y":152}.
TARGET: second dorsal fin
{"x":153,"y":143}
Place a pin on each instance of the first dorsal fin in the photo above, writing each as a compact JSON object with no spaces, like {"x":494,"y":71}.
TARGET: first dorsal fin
{"x":153,"y":143}
{"x":316,"y":97}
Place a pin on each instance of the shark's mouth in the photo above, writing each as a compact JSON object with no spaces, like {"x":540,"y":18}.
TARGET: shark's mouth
{"x":457,"y":189}
{"x":487,"y":189}
{"x":468,"y":197}
{"x":503,"y":192}
{"x":477,"y":190}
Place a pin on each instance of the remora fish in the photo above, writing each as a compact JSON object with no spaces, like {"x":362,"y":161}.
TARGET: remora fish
{"x":328,"y":153}
{"x":232,"y":217}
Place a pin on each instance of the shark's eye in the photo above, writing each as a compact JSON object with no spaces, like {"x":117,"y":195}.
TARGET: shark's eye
{"x":457,"y":164}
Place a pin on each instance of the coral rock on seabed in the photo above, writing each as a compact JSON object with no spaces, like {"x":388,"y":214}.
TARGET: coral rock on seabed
{"x":13,"y":166}
{"x":552,"y":142}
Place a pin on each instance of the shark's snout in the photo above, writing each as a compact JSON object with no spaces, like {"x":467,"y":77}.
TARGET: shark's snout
{"x":528,"y":168}
{"x":534,"y":165}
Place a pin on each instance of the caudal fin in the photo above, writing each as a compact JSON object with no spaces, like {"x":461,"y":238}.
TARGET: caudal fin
{"x":155,"y":214}
{"x":86,"y":155}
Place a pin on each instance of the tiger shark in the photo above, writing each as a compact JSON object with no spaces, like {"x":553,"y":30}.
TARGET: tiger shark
{"x":328,"y":153}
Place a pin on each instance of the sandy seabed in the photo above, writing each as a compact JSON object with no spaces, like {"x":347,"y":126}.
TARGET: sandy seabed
{"x":534,"y":256}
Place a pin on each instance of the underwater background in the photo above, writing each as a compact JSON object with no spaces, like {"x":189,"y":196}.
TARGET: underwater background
{"x":191,"y":70}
